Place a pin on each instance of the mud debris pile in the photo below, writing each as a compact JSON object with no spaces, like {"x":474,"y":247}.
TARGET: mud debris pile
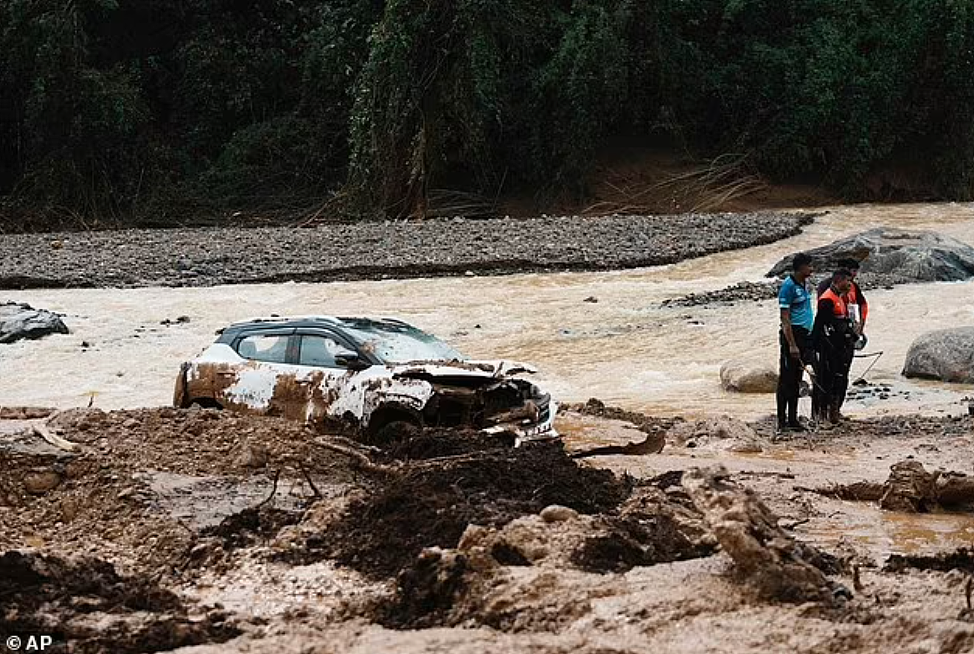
{"x":431,"y":505}
{"x":171,"y":528}
{"x":911,"y":488}
{"x":763,"y":553}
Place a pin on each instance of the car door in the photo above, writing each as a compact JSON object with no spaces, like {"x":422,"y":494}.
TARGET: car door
{"x":252,"y":384}
{"x":335,"y":392}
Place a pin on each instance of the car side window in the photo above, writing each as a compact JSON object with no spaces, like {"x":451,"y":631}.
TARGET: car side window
{"x":260,"y":347}
{"x":320,"y":351}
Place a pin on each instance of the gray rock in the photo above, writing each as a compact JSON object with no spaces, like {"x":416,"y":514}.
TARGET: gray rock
{"x":558,"y":513}
{"x":19,"y":321}
{"x":897,"y":254}
{"x":746,"y":376}
{"x":39,"y":482}
{"x":946,"y":355}
{"x":252,"y":456}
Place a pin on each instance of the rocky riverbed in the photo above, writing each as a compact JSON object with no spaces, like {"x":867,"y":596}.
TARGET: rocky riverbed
{"x":767,"y":290}
{"x":213,"y":256}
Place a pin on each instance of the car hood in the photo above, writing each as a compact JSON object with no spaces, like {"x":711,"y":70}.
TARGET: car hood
{"x":498,"y":369}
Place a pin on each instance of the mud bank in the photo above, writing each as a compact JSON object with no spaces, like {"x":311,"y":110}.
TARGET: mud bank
{"x":220,"y":533}
{"x":210,"y":257}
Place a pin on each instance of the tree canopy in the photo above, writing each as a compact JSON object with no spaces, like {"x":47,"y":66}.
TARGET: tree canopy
{"x":148,"y":111}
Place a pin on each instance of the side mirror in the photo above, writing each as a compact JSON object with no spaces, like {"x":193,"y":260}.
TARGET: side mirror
{"x":351,"y":360}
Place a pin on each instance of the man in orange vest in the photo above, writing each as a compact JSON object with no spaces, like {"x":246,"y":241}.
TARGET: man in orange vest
{"x":854,"y":297}
{"x":834,"y":335}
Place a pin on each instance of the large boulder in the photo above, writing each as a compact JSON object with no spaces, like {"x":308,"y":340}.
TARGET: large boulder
{"x":895,"y":253}
{"x":19,"y":321}
{"x":747,"y":376}
{"x":947,"y":355}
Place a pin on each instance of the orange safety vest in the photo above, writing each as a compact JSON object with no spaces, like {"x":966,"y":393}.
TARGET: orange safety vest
{"x":838,"y":301}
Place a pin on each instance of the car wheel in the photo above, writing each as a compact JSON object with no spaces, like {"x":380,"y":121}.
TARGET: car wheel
{"x":396,"y":431}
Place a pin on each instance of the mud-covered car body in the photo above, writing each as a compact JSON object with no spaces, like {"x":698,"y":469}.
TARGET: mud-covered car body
{"x":359,"y":376}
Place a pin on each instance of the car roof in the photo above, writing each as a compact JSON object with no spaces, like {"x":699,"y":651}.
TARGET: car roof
{"x":309,"y":321}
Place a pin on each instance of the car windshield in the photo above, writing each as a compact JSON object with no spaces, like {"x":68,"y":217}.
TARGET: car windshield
{"x":396,"y":342}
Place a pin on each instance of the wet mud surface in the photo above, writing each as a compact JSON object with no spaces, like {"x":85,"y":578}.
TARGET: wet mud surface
{"x":209,"y":257}
{"x":84,"y":605}
{"x":201,"y":531}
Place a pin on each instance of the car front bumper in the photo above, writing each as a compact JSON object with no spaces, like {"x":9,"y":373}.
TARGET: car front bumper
{"x":529,"y":433}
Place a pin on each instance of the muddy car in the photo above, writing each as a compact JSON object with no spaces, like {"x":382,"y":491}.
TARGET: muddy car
{"x":374,"y":379}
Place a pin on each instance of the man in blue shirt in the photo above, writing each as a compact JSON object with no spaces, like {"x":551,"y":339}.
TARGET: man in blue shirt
{"x":797,"y":320}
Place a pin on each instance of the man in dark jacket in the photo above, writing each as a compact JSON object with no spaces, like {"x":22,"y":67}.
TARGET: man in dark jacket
{"x":834,"y":336}
{"x":858,"y":307}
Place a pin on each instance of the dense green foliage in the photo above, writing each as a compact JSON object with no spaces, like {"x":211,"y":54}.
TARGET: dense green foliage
{"x":123,"y":111}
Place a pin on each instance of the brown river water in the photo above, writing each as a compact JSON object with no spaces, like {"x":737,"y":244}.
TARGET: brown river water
{"x":625,"y":349}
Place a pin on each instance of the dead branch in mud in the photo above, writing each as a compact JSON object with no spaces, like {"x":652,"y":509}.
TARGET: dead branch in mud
{"x":649,"y":445}
{"x":44,"y":431}
{"x":277,"y":478}
{"x":360,"y":454}
{"x":356,"y":452}
{"x":307,"y":478}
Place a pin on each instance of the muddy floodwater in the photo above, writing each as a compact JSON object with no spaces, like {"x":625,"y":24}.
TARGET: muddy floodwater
{"x":253,"y":534}
{"x":592,"y":334}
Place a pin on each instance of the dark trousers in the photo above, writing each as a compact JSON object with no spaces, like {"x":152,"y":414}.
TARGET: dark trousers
{"x":833,"y":360}
{"x":790,"y":373}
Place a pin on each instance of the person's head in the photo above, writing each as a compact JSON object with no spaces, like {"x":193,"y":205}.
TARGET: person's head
{"x":801,"y":266}
{"x":842,"y":280}
{"x":852,"y":265}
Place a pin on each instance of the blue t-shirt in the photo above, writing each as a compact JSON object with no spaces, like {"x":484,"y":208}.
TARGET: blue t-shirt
{"x":796,"y":298}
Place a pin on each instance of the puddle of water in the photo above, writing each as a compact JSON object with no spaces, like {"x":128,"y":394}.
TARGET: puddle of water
{"x":884,"y":533}
{"x":912,"y":534}
{"x":833,"y":454}
{"x":625,"y":349}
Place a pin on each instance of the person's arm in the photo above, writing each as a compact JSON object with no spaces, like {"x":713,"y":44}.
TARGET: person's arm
{"x":863,"y":308}
{"x":789,"y":334}
{"x":784,"y":303}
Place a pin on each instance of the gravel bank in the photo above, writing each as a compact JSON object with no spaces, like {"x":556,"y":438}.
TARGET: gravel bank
{"x":212,"y":256}
{"x":760,"y":291}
